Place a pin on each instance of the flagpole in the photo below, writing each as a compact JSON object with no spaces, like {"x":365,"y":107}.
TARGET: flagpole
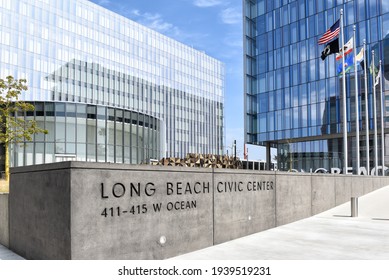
{"x":375,"y":118}
{"x":367,"y":111}
{"x":356,"y":102}
{"x":345,"y":159}
{"x":382,"y":122}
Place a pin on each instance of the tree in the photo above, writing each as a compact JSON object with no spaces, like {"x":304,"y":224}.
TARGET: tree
{"x":13,"y":127}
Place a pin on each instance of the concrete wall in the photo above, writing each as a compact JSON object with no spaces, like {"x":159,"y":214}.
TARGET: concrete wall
{"x":77,"y":210}
{"x":40,"y":213}
{"x":183,"y":223}
{"x":4,"y":226}
{"x":293,"y":198}
{"x":243,"y":203}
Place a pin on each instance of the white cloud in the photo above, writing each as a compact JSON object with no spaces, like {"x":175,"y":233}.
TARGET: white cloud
{"x":207,"y":3}
{"x":231,"y":15}
{"x":156,"y":22}
{"x":104,"y":2}
{"x":136,"y":13}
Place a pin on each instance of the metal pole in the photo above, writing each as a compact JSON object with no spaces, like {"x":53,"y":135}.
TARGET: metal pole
{"x":354,"y":207}
{"x":234,"y":150}
{"x":356,"y":103}
{"x":367,"y":111}
{"x":345,"y":153}
{"x":375,"y":118}
{"x":382,"y":121}
{"x":268,"y":156}
{"x":247,"y":152}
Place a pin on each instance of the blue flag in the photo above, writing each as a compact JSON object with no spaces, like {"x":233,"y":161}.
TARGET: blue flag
{"x":348,"y":65}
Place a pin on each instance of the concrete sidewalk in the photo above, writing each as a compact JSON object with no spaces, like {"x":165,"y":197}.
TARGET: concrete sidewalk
{"x":6,"y":254}
{"x":332,"y":235}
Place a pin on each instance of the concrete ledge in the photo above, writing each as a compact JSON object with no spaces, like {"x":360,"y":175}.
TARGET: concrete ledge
{"x":80,"y":210}
{"x":4,"y":225}
{"x":104,"y":166}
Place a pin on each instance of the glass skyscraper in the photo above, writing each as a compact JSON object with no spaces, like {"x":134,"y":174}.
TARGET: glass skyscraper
{"x":106,"y":88}
{"x":293,"y":99}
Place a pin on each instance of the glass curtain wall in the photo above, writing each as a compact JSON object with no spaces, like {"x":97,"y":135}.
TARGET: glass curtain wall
{"x":84,"y":133}
{"x":291,"y":95}
{"x":77,"y":52}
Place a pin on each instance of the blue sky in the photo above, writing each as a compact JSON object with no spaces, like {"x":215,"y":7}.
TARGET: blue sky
{"x":213,"y":26}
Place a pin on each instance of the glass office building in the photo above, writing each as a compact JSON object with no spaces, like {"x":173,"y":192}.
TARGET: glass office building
{"x":106,"y":88}
{"x":293,"y":99}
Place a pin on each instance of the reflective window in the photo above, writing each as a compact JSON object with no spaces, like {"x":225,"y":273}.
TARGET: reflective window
{"x":89,"y":136}
{"x":108,"y":71}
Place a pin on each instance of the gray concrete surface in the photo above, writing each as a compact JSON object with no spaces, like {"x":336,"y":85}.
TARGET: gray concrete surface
{"x":7,"y":254}
{"x":330,"y":235}
{"x":243,"y":203}
{"x":293,"y":198}
{"x":4,"y":225}
{"x":146,"y":233}
{"x":39,"y":213}
{"x":79,"y":210}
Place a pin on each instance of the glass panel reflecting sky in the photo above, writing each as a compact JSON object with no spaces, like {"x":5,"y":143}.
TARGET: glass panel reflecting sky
{"x":288,"y":59}
{"x":76,"y":51}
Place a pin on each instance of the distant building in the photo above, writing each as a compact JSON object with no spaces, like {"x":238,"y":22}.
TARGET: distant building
{"x":106,"y":88}
{"x":293,"y":99}
{"x":258,"y":165}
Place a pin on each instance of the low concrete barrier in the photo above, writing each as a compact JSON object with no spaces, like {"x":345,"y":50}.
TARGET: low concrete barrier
{"x":4,"y":226}
{"x":78,"y":210}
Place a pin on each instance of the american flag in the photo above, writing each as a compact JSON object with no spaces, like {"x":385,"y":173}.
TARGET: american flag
{"x":330,"y":34}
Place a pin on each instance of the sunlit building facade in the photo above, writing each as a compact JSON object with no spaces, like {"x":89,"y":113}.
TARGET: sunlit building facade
{"x":293,"y":99}
{"x":107,"y":88}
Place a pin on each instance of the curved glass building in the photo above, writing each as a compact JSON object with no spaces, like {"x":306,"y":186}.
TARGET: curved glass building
{"x":106,"y":88}
{"x":87,"y":132}
{"x":293,"y":99}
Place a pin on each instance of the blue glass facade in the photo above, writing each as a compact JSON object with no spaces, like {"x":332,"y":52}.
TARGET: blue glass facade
{"x":293,"y":99}
{"x":120,"y":92}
